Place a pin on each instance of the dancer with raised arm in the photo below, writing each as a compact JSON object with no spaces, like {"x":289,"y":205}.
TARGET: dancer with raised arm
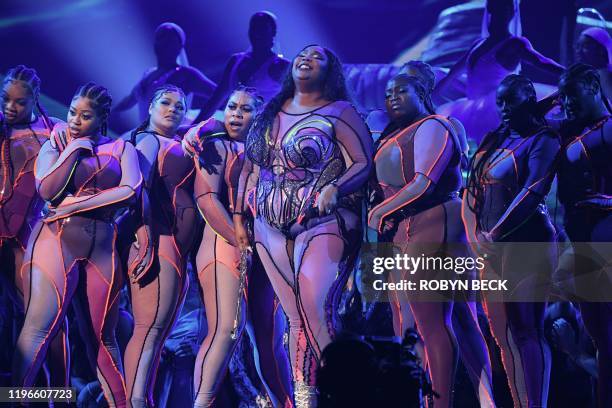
{"x":499,"y":53}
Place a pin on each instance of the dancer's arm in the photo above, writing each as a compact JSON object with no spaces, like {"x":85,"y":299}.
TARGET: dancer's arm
{"x":355,"y":142}
{"x":221,"y":92}
{"x":128,"y":189}
{"x":433,"y":150}
{"x":191,"y":142}
{"x":147,"y":148}
{"x":199,"y":84}
{"x":531,"y":56}
{"x":129,"y":101}
{"x":208,"y":185}
{"x":249,"y":177}
{"x":53,"y":170}
{"x":541,"y":171}
{"x":452,"y":75}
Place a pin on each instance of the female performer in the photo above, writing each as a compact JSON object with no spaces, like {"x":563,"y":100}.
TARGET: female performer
{"x":497,"y":54}
{"x":586,"y":194}
{"x":418,"y":171}
{"x":85,"y":184}
{"x":510,"y":176}
{"x":22,"y":133}
{"x":164,"y":237}
{"x":219,"y":165}
{"x":216,"y":183}
{"x":309,"y":158}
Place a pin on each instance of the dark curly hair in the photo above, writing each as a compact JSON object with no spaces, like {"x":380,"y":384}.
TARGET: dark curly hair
{"x":334,"y":89}
{"x":101,"y":101}
{"x":493,"y":140}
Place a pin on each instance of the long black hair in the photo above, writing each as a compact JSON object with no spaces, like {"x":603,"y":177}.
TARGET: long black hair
{"x":159,"y":92}
{"x":334,"y":89}
{"x":493,"y":140}
{"x":101,"y":101}
{"x":31,"y":79}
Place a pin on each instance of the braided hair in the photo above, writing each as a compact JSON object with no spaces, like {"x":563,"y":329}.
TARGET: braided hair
{"x":101,"y":101}
{"x":493,"y":140}
{"x":425,"y":73}
{"x":588,"y":75}
{"x":334,"y":89}
{"x":422,"y":88}
{"x":157,"y":94}
{"x":253,"y":93}
{"x":30,"y":78}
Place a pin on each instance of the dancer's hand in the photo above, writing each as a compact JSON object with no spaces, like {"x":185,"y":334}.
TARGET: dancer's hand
{"x":63,"y":210}
{"x":60,"y":136}
{"x":327,"y":199}
{"x":141,"y":254}
{"x":191,"y":142}
{"x":378,"y":222}
{"x":242,"y":236}
{"x":564,"y":338}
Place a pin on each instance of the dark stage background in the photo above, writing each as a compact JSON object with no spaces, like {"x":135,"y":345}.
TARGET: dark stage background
{"x":71,"y":42}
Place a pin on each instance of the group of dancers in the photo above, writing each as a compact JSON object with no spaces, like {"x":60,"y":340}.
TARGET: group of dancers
{"x":286,"y":186}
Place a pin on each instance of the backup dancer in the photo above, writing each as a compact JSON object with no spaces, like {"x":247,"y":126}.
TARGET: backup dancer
{"x":85,"y":183}
{"x":309,"y":157}
{"x":586,"y":194}
{"x":25,"y":128}
{"x":510,"y":176}
{"x":168,"y":221}
{"x":221,"y":156}
{"x":418,"y":176}
{"x":499,"y":53}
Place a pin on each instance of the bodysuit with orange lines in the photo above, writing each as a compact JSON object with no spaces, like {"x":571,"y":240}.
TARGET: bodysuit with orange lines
{"x":20,"y":210}
{"x":157,"y":296}
{"x":71,"y":256}
{"x":418,"y":175}
{"x":514,"y":182}
{"x":585,"y":176}
{"x":218,"y":171}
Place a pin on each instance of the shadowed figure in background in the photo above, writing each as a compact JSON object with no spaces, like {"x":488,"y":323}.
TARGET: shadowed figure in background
{"x":172,"y":68}
{"x":498,"y":53}
{"x":260,"y":67}
{"x":594,"y":47}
